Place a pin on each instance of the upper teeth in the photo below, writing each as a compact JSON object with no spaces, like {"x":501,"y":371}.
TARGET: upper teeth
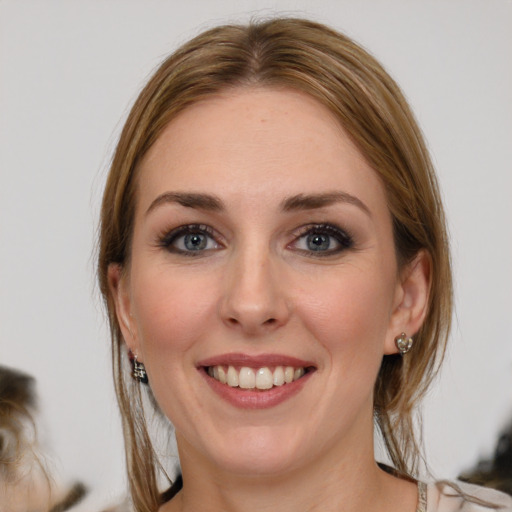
{"x":250,"y":378}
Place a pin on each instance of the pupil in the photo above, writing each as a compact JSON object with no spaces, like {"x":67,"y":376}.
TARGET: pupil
{"x":195,"y":242}
{"x":318,"y":242}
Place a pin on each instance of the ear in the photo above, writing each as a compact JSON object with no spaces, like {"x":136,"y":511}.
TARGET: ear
{"x":411,"y":300}
{"x":118,"y":282}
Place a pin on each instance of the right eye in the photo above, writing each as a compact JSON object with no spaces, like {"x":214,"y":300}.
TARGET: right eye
{"x":190,"y":240}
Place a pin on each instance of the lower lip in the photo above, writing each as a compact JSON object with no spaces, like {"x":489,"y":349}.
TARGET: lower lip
{"x":247,"y":399}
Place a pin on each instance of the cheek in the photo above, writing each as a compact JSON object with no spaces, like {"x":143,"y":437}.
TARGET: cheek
{"x":349,"y":311}
{"x":171,"y":311}
{"x":170,"y":308}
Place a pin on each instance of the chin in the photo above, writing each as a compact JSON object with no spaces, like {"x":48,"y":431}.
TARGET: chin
{"x":259,"y":453}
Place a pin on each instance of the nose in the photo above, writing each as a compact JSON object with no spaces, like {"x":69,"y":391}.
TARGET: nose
{"x":254,"y":299}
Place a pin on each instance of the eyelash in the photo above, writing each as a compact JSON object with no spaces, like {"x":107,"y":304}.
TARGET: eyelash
{"x":342,"y":238}
{"x":169,"y":238}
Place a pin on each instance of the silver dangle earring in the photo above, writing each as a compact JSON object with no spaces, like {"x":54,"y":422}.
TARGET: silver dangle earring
{"x":138,"y":370}
{"x":403,"y":343}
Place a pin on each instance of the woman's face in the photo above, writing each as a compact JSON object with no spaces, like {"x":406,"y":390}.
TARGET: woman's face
{"x":263,"y":289}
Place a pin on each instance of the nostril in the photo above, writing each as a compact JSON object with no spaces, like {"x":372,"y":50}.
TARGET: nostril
{"x":235,"y":322}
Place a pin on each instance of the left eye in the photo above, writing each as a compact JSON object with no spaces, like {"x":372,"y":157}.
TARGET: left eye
{"x":194,"y":242}
{"x":323,"y":240}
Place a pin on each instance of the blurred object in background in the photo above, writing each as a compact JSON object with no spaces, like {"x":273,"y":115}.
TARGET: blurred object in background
{"x":25,"y":482}
{"x":496,"y":472}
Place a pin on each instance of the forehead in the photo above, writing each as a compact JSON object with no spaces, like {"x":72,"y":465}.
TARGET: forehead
{"x":254,"y":141}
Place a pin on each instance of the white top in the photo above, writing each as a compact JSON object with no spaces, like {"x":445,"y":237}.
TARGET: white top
{"x":447,"y":496}
{"x":443,"y":496}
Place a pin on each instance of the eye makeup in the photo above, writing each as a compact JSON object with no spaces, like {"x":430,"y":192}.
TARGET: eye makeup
{"x":190,"y":240}
{"x":316,"y":240}
{"x":322,"y":240}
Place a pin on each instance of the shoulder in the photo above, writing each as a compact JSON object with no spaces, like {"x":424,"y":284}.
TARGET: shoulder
{"x":446,"y":496}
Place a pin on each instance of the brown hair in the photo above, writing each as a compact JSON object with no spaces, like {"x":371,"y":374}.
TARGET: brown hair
{"x":331,"y":68}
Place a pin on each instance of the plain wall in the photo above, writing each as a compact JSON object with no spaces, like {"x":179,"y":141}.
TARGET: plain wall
{"x":68,"y":73}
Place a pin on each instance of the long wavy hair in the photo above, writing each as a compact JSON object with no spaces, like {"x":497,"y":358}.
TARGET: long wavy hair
{"x":338,"y":73}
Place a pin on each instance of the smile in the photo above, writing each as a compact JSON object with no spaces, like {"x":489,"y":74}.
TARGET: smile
{"x":263,"y":378}
{"x":256,"y":381}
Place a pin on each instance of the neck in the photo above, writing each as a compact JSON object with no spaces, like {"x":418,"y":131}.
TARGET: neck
{"x":338,"y":482}
{"x":298,"y":490}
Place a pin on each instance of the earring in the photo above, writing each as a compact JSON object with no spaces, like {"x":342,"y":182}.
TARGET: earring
{"x":403,"y":343}
{"x":138,"y":369}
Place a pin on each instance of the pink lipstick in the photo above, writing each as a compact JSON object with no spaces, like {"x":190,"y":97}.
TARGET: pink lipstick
{"x":255,"y":382}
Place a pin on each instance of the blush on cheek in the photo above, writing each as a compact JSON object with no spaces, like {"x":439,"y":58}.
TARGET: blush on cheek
{"x":347,"y":317}
{"x":174,"y":316}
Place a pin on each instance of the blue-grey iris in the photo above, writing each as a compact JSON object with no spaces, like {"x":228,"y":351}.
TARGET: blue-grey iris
{"x":318,"y":242}
{"x":195,"y":242}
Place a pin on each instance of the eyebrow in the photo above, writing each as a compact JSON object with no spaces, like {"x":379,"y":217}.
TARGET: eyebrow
{"x":298,"y":202}
{"x":315,"y":201}
{"x":189,"y":200}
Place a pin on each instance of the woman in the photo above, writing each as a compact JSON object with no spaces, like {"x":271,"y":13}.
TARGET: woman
{"x":274,"y":257}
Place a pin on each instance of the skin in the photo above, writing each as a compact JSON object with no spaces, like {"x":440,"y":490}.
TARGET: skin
{"x":258,"y":288}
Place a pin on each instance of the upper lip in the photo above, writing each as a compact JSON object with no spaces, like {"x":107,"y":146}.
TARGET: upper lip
{"x":257,"y":361}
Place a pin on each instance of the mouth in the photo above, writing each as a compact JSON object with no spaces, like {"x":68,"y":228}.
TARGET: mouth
{"x":256,"y":382}
{"x":261,"y":378}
